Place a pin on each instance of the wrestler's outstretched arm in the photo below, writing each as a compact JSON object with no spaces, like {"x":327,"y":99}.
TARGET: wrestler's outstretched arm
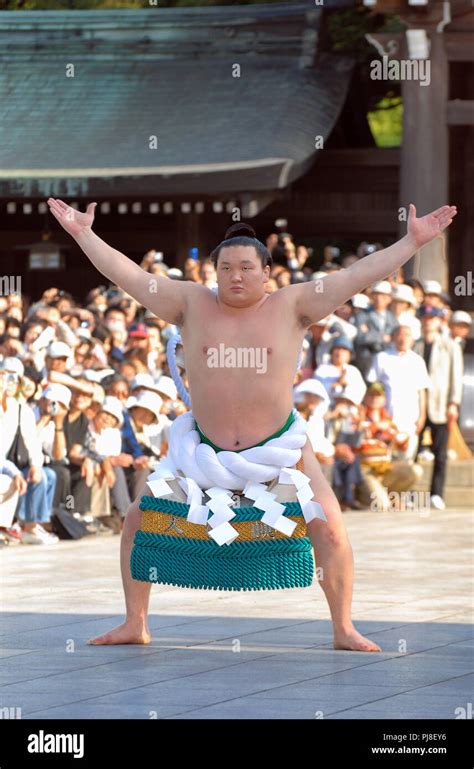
{"x":340,"y":286}
{"x":164,"y":297}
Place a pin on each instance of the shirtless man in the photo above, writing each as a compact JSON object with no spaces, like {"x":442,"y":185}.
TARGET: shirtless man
{"x":237,"y":407}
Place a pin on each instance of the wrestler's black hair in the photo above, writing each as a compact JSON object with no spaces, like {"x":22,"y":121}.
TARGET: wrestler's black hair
{"x":241,"y":234}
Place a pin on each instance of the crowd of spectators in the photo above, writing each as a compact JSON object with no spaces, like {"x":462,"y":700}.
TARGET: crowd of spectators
{"x":87,"y":400}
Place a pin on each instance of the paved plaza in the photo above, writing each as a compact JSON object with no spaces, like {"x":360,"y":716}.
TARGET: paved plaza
{"x":259,"y":655}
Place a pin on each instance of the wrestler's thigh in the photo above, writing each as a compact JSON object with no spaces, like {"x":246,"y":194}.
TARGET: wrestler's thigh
{"x":323,"y":494}
{"x":133,"y":515}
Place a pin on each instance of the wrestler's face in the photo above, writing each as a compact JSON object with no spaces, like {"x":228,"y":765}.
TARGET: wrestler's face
{"x":240,"y":276}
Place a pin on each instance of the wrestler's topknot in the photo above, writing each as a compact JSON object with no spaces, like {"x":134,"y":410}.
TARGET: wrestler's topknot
{"x":240,"y":228}
{"x":242,"y":234}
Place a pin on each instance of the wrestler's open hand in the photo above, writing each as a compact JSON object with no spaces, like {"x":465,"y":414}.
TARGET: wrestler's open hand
{"x":427,"y":227}
{"x":71,"y":220}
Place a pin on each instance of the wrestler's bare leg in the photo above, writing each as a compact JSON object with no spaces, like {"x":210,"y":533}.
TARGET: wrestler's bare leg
{"x":135,"y":629}
{"x":334,"y":559}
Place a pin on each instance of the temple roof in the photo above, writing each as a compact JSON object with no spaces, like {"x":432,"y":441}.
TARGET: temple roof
{"x":235,"y":96}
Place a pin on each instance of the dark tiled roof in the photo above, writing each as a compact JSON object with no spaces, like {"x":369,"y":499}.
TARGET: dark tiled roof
{"x":135,"y":79}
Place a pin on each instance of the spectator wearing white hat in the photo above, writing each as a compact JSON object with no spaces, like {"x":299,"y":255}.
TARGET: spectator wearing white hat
{"x":107,"y":444}
{"x":375,"y":326}
{"x":22,"y":447}
{"x":172,"y":405}
{"x":144,"y":411}
{"x":12,"y":483}
{"x":58,"y":355}
{"x":164,"y":386}
{"x":360,"y":302}
{"x":460,"y":325}
{"x":312,"y":401}
{"x":404,"y":306}
{"x":51,"y":411}
{"x":433,"y":291}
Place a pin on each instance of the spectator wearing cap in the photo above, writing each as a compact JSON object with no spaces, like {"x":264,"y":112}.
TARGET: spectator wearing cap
{"x":384,"y":466}
{"x":137,"y":337}
{"x":375,"y":326}
{"x":312,"y":401}
{"x":23,"y":449}
{"x":339,"y":373}
{"x":433,"y":291}
{"x":443,"y":358}
{"x":459,"y":326}
{"x":58,"y":356}
{"x":404,"y":307}
{"x":405,"y":379}
{"x":344,"y":431}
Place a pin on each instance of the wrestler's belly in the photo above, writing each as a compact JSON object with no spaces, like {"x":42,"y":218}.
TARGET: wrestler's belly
{"x":236,"y":409}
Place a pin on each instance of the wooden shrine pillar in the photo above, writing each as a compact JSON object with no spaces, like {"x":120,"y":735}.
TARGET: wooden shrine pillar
{"x":424,"y":171}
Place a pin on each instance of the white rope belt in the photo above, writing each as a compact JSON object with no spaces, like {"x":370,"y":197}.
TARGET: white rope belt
{"x":220,"y":473}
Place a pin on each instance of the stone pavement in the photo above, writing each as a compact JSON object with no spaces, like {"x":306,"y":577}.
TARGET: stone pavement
{"x":252,"y":655}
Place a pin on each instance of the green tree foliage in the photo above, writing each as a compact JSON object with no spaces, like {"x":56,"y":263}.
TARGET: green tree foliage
{"x":347,"y":32}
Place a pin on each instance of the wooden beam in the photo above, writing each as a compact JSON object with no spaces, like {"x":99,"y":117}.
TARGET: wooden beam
{"x":360,"y":156}
{"x":460,"y":46}
{"x":461,"y":112}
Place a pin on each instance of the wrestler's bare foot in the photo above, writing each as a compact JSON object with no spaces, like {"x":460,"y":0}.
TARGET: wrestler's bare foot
{"x":354,"y":641}
{"x":127,"y":633}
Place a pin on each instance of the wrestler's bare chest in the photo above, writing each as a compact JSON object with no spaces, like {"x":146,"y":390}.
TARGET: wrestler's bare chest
{"x":266,"y":339}
{"x":240,"y":368}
